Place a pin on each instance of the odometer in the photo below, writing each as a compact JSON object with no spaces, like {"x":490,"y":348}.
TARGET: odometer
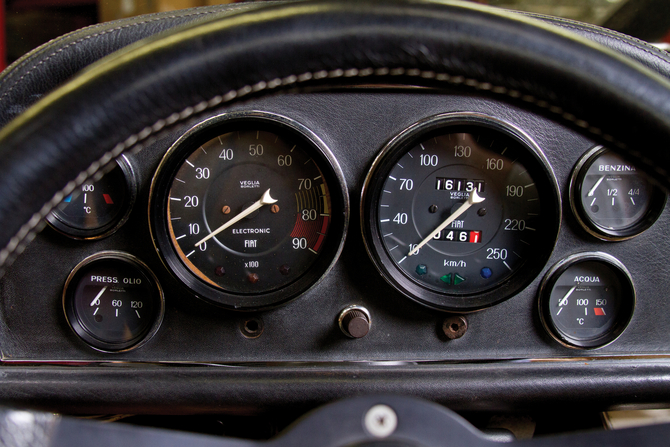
{"x":250,"y":210}
{"x":460,"y":212}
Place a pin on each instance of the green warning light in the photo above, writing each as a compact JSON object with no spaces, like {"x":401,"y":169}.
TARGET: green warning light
{"x":446,"y":279}
{"x":421,"y":269}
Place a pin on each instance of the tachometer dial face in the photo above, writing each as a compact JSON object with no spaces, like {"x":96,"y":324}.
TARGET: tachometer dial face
{"x":611,"y":198}
{"x":461,"y":212}
{"x":249,"y":208}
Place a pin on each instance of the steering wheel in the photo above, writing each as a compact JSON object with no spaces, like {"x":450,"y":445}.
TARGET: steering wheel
{"x":129,"y":99}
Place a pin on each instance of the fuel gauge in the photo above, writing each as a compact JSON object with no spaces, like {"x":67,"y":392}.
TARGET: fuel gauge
{"x":611,"y":199}
{"x":587,"y":300}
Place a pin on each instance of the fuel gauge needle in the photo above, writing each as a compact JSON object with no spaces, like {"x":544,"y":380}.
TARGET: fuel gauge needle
{"x":474,"y":198}
{"x":264,"y":200}
{"x":96,"y":300}
{"x":593,"y":189}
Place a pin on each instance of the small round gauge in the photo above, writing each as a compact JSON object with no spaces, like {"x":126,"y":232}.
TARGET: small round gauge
{"x":113,"y":301}
{"x":249,"y":209}
{"x":98,"y":207}
{"x":611,"y":199}
{"x":460,"y":211}
{"x":587,"y":300}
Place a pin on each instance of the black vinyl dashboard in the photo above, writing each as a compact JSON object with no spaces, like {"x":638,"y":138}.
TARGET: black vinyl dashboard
{"x":203,"y":353}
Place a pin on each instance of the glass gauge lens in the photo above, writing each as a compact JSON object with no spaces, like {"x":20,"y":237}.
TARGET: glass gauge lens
{"x":248,"y":211}
{"x":461,"y":212}
{"x":611,"y":198}
{"x":587,"y":300}
{"x":98,"y":207}
{"x":113,"y":302}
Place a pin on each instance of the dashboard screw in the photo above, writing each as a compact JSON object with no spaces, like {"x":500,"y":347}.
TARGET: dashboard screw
{"x":275,"y":209}
{"x":226,"y":209}
{"x":433,"y":208}
{"x":455,"y":327}
{"x":381,"y":421}
{"x":481,"y":212}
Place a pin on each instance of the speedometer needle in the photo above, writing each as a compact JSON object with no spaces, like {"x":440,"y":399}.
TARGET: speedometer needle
{"x":264,"y":200}
{"x":474,"y":198}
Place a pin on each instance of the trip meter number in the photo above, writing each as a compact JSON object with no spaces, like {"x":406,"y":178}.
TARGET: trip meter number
{"x":460,"y":212}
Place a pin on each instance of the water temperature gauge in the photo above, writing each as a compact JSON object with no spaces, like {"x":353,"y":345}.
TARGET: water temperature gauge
{"x":587,"y":300}
{"x":113,"y":301}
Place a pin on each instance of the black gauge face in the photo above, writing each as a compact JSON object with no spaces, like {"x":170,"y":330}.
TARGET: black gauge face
{"x":459,"y":210}
{"x":97,"y":208}
{"x":587,"y":300}
{"x":611,"y":198}
{"x":112,"y":301}
{"x":250,"y":208}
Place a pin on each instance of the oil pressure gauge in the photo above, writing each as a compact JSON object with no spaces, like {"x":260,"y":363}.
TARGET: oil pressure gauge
{"x":587,"y":300}
{"x":611,"y":199}
{"x":113,"y":302}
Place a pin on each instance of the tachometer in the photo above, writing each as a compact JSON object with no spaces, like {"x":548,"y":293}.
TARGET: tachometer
{"x":460,"y":211}
{"x":250,"y":209}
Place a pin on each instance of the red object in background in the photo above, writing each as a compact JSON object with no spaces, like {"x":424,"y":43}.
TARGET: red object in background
{"x":3,"y":46}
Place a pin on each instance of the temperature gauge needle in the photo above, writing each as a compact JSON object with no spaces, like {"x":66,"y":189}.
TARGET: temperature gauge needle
{"x":96,"y":300}
{"x":593,"y":189}
{"x":264,"y":200}
{"x":564,"y":300}
{"x":474,"y":198}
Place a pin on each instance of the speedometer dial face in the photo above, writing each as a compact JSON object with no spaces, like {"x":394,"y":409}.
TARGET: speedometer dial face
{"x":461,"y":212}
{"x":250,"y":212}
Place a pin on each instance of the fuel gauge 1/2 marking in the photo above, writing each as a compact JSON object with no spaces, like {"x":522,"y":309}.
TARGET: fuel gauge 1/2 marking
{"x":611,"y":199}
{"x":113,"y":301}
{"x":587,"y":300}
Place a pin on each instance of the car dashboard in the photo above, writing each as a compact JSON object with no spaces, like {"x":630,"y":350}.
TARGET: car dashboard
{"x":212,"y":347}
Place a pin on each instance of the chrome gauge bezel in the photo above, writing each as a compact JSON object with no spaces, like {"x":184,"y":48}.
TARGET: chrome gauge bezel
{"x":131,"y":185}
{"x":656,"y":207}
{"x":212,"y":128}
{"x":548,"y":283}
{"x":393,"y":151}
{"x":83,"y":333}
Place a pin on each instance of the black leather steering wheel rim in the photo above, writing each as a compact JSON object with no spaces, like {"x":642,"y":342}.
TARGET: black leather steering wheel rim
{"x":132,"y":96}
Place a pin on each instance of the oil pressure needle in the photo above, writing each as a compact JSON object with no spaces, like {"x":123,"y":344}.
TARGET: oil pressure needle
{"x":96,"y":300}
{"x":264,"y":200}
{"x":474,"y":198}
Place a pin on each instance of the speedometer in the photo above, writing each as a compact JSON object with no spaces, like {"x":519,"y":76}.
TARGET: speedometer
{"x":249,"y":210}
{"x":460,"y":211}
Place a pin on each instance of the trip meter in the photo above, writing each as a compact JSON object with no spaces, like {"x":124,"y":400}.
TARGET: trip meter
{"x":249,"y":209}
{"x":460,"y":211}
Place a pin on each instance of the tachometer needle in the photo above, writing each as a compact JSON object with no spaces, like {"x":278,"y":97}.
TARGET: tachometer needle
{"x":474,"y":198}
{"x":96,"y":300}
{"x":564,"y":300}
{"x":593,"y":189}
{"x":264,"y":200}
